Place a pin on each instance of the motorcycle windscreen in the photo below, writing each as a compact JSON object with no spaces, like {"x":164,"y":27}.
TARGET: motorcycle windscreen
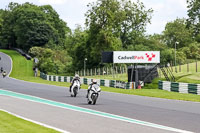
{"x":96,"y":87}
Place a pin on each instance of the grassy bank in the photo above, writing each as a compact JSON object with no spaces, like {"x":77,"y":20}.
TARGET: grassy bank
{"x":22,"y":69}
{"x":12,"y":124}
{"x":184,"y":72}
{"x":143,"y":92}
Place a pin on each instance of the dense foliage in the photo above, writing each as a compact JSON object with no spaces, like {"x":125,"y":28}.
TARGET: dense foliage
{"x":194,"y":16}
{"x":110,"y":25}
{"x":28,"y":25}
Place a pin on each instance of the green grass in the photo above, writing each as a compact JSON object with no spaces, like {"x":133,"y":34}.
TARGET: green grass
{"x":151,"y":92}
{"x":192,"y":78}
{"x":156,"y":93}
{"x":12,"y":124}
{"x":183,"y":75}
{"x":22,"y":69}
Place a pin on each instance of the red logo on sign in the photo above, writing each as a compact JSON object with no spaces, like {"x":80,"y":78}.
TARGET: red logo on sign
{"x":150,"y":57}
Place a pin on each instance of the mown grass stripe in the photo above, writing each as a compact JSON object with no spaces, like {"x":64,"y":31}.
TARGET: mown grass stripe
{"x":80,"y":109}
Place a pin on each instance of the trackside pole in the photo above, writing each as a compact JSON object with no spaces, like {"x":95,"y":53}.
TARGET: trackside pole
{"x":132,"y":76}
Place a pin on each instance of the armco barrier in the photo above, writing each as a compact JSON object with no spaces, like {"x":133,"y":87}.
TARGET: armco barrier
{"x":179,"y":87}
{"x":87,"y":81}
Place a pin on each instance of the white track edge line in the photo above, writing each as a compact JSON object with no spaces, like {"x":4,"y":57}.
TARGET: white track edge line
{"x":36,"y":122}
{"x":166,"y":127}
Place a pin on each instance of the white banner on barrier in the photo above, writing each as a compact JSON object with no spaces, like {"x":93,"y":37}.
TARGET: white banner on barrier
{"x":136,"y":57}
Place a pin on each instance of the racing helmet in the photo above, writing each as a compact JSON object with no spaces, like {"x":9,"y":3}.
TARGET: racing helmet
{"x":94,"y":81}
{"x":76,"y":76}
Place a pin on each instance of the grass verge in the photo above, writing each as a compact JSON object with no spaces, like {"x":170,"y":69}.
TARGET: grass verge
{"x":143,"y":92}
{"x":12,"y":124}
{"x":22,"y":69}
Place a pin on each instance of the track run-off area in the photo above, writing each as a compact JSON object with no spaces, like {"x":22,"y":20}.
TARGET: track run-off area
{"x":53,"y":106}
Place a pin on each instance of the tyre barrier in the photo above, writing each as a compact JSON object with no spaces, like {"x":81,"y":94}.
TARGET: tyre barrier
{"x":87,"y":81}
{"x":179,"y":87}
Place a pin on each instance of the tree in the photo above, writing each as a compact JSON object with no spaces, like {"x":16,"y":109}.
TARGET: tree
{"x":60,"y":27}
{"x":181,"y":57}
{"x":113,"y":25}
{"x":193,"y":51}
{"x":176,"y":31}
{"x":30,"y":28}
{"x":26,"y":25}
{"x":166,"y":56}
{"x":194,"y":16}
{"x":77,"y":47}
{"x":1,"y":24}
{"x":7,"y":35}
{"x":1,"y":19}
{"x":52,"y":61}
{"x":134,"y":21}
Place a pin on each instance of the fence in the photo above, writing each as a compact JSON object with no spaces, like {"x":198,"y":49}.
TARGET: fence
{"x":179,"y":87}
{"x":103,"y":71}
{"x":193,"y":67}
{"x":87,"y":81}
{"x":122,"y":69}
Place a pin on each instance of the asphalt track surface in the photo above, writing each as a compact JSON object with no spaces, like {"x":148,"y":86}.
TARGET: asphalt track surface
{"x":182,"y":115}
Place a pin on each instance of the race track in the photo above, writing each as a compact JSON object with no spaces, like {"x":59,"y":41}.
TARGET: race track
{"x":181,"y":115}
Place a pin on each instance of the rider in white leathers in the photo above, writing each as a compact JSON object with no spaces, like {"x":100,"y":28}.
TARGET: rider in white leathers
{"x":93,"y":82}
{"x":72,"y":82}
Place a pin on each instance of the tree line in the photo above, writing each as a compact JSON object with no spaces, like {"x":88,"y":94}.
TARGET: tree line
{"x":110,"y":25}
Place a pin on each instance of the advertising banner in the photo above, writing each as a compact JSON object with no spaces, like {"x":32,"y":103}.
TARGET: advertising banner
{"x":136,"y":57}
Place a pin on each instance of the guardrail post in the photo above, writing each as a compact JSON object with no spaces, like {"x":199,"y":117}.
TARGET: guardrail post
{"x":196,"y":65}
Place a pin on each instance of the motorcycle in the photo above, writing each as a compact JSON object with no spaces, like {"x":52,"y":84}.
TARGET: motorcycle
{"x":75,"y":88}
{"x":93,"y":94}
{"x":4,"y":74}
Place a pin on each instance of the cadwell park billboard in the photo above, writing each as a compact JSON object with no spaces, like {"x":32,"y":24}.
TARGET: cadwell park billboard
{"x":136,"y":56}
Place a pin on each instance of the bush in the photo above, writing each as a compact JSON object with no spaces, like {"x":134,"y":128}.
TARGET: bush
{"x":52,"y":61}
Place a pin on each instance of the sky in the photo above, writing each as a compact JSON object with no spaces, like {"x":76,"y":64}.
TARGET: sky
{"x":72,"y":11}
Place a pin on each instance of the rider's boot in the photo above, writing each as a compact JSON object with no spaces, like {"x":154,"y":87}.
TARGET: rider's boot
{"x":70,"y":88}
{"x":87,"y":93}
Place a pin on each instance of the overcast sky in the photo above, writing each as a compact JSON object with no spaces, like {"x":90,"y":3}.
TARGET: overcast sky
{"x":72,"y":11}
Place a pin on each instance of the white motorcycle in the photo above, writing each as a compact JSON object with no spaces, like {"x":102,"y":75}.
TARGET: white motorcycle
{"x":93,"y":94}
{"x":75,"y":88}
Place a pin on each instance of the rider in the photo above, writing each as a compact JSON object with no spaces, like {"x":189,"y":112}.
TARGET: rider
{"x":72,"y":82}
{"x":1,"y":69}
{"x":4,"y":73}
{"x":89,"y":88}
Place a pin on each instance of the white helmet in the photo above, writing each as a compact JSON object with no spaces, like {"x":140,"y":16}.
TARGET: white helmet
{"x":76,"y":76}
{"x":94,"y":81}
